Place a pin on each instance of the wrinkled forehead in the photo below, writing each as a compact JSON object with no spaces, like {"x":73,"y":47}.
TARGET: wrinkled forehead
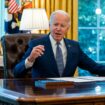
{"x":60,"y":17}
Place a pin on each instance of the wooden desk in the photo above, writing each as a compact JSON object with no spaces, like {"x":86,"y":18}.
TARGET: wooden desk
{"x":23,"y":92}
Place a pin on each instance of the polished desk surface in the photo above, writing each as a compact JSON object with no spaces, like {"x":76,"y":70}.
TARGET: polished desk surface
{"x":23,"y":92}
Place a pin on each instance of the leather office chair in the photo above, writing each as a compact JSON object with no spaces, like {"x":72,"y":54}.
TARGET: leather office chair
{"x":14,"y":47}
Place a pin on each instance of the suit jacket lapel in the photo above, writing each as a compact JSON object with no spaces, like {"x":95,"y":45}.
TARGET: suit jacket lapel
{"x":50,"y":55}
{"x":69,"y":57}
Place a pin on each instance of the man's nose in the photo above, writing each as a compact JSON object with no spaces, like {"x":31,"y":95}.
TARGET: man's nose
{"x":58,"y":27}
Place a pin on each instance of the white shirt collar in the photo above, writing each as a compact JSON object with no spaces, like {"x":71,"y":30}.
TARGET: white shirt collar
{"x":53,"y":42}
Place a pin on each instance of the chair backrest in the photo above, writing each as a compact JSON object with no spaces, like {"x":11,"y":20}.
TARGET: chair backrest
{"x":14,"y":46}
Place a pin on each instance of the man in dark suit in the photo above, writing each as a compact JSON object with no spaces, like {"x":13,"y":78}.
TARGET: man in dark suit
{"x":41,"y":54}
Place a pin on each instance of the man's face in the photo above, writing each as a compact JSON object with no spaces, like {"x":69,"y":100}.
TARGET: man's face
{"x":59,"y":26}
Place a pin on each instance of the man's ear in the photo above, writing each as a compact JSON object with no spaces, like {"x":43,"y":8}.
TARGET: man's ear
{"x":68,"y":27}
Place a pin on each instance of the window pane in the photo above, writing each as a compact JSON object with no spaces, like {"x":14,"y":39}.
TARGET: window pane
{"x":87,"y":16}
{"x":102,"y":16}
{"x":88,"y":42}
{"x":2,"y":18}
{"x":102,"y":45}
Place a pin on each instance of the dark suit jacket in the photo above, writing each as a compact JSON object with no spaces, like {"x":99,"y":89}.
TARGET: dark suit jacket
{"x":45,"y":66}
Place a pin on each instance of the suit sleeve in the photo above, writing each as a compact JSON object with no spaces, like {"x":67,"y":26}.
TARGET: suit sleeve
{"x":20,"y":69}
{"x":88,"y":64}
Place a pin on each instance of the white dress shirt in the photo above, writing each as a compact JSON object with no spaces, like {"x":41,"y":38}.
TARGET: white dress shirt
{"x":53,"y":44}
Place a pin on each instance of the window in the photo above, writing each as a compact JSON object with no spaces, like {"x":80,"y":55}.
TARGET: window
{"x":91,"y":29}
{"x":2,"y":17}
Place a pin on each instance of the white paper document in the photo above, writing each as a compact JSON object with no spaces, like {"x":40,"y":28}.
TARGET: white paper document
{"x":80,"y":79}
{"x":93,"y":78}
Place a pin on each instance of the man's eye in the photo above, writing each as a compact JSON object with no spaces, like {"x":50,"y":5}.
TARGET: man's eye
{"x":55,"y":24}
{"x":62,"y":25}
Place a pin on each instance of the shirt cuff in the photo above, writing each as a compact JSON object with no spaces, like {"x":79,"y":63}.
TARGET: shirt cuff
{"x":28,"y":64}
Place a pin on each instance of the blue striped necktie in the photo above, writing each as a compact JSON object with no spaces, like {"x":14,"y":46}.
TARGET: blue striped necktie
{"x":59,"y":59}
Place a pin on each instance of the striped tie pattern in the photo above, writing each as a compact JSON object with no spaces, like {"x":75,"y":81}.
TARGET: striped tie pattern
{"x":59,"y":59}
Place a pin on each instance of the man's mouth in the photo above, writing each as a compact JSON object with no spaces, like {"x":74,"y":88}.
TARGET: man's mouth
{"x":58,"y":33}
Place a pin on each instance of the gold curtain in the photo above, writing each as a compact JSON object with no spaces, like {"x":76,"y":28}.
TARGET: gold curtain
{"x":70,"y":6}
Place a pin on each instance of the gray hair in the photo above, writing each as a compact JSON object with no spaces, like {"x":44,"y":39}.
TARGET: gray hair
{"x":61,"y":12}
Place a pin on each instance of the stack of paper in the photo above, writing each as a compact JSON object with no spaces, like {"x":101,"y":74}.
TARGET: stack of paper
{"x":68,"y":82}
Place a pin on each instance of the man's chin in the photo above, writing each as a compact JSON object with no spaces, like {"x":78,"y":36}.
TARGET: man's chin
{"x":58,"y":36}
{"x":58,"y":39}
